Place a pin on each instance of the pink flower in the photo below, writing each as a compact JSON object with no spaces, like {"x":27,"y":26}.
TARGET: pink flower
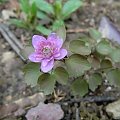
{"x":47,"y":51}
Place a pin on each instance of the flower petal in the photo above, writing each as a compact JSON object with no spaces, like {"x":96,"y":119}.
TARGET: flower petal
{"x":54,"y":37}
{"x":48,"y":67}
{"x":44,"y":62}
{"x":34,"y":57}
{"x":56,"y":55}
{"x":63,"y":53}
{"x":36,"y":39}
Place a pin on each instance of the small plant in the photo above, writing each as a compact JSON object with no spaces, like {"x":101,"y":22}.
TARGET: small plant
{"x":2,"y":1}
{"x":36,"y":10}
{"x":56,"y":12}
{"x":90,"y":57}
{"x":29,"y":11}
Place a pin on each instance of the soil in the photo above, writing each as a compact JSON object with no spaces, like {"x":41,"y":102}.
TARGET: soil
{"x":12,"y":85}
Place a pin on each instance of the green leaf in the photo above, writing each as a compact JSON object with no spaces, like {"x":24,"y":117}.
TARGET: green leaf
{"x":96,"y":35}
{"x":26,"y":51}
{"x":70,"y":6}
{"x":94,"y":81}
{"x":94,"y":61}
{"x":79,"y":47}
{"x":104,"y":48}
{"x":43,"y":30}
{"x":61,"y":75}
{"x":32,"y":73}
{"x":105,"y":65}
{"x":25,"y":6}
{"x":57,"y":25}
{"x":18,"y":23}
{"x":42,"y":15}
{"x":33,"y":9}
{"x":58,"y":8}
{"x":47,"y":83}
{"x":113,"y":77}
{"x":61,"y":32}
{"x":115,"y":55}
{"x":79,"y":87}
{"x":77,"y":65}
{"x":45,"y":6}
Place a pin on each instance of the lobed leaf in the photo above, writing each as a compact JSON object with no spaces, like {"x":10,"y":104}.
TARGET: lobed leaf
{"x":32,"y":73}
{"x":47,"y":83}
{"x":106,"y":65}
{"x":79,"y":47}
{"x":115,"y":55}
{"x":61,"y":75}
{"x":94,"y":81}
{"x":77,"y":65}
{"x":104,"y":47}
{"x":113,"y":77}
{"x":79,"y":87}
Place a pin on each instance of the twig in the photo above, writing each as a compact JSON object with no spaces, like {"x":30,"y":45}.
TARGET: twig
{"x":12,"y":36}
{"x":12,"y":40}
{"x":79,"y":30}
{"x":93,"y":99}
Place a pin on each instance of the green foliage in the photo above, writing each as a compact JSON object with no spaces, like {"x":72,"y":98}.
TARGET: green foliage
{"x":24,"y":4}
{"x":115,"y":55}
{"x":94,"y":80}
{"x":58,"y":8}
{"x":113,"y":76}
{"x":47,"y":83}
{"x":30,"y":12}
{"x":104,"y":47}
{"x":77,"y":65}
{"x":57,"y":12}
{"x":2,"y":1}
{"x":45,"y":6}
{"x":18,"y":23}
{"x":90,"y":59}
{"x":43,"y":30}
{"x":79,"y":47}
{"x":61,"y":75}
{"x":57,"y":25}
{"x":32,"y":73}
{"x":54,"y":13}
{"x":79,"y":87}
{"x":95,"y":34}
{"x":69,"y":7}
{"x":61,"y":32}
{"x":106,"y":65}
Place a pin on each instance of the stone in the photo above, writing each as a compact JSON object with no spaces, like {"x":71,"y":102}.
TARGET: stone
{"x":114,"y":109}
{"x":7,"y":56}
{"x":43,"y":111}
{"x":6,"y":14}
